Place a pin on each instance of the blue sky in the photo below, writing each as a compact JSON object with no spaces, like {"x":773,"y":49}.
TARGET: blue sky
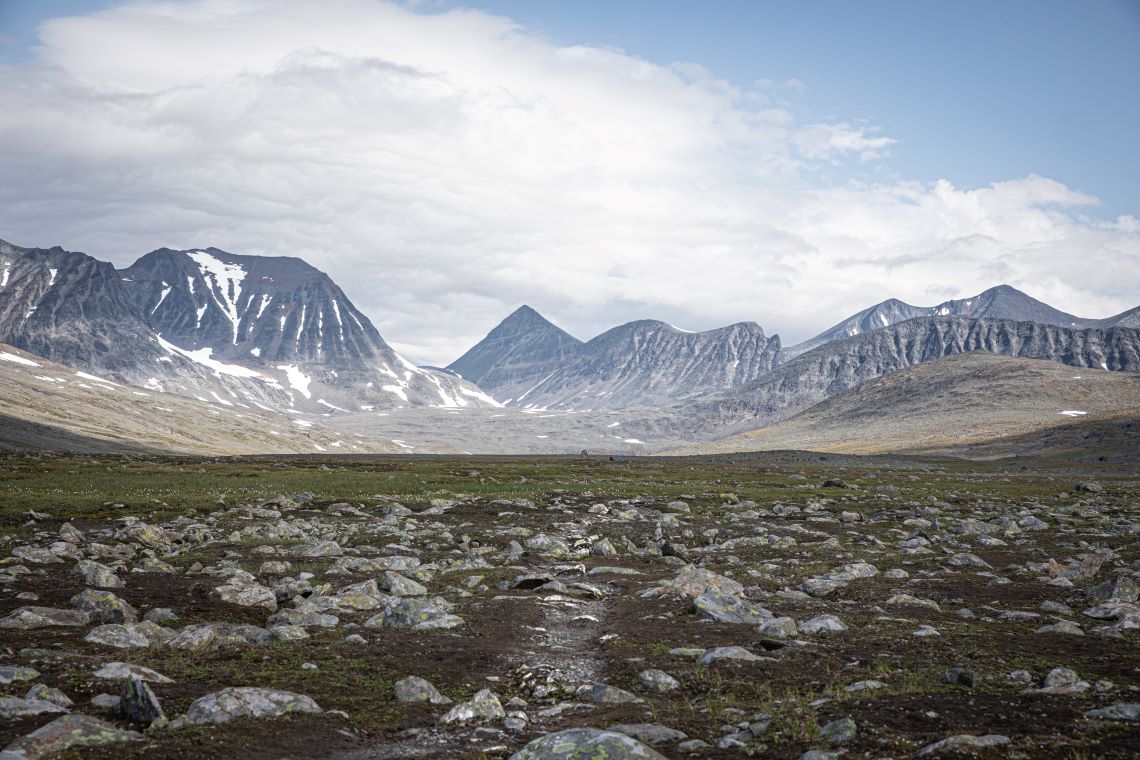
{"x":449,"y":167}
{"x":972,"y":91}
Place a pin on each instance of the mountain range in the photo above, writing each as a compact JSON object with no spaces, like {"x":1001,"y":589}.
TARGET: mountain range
{"x":276,"y":335}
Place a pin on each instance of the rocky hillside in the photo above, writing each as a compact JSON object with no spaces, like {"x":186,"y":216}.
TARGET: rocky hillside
{"x":948,"y":406}
{"x":839,"y":366}
{"x":1001,"y":302}
{"x":244,"y":330}
{"x":52,"y":406}
{"x":642,"y":363}
{"x":522,"y":351}
{"x":290,"y":323}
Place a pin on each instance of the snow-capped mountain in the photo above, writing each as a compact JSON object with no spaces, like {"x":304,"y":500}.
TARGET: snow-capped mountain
{"x":288,"y":321}
{"x":1000,"y":302}
{"x":529,"y":363}
{"x":521,"y":351}
{"x":235,"y":330}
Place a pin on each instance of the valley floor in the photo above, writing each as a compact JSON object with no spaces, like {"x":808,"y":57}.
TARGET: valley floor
{"x":758,"y":604}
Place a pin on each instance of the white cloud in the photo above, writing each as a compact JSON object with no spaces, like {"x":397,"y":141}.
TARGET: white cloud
{"x":830,"y":141}
{"x":446,"y":167}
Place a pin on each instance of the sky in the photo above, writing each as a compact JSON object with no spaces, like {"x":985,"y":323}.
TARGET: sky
{"x":788,"y":163}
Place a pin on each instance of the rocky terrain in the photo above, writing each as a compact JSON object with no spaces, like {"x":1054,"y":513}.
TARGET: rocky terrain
{"x":266,"y":333}
{"x":1001,"y":302}
{"x":782,"y":605}
{"x":839,"y":366}
{"x":527,"y":362}
{"x":49,"y":406}
{"x":951,"y":406}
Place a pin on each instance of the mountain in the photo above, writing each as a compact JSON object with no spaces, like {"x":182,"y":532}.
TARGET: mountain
{"x":51,"y":406}
{"x":289,"y":322}
{"x":840,"y":365}
{"x":240,"y":330}
{"x":524,"y":349}
{"x":649,"y":363}
{"x":951,"y":405}
{"x":1001,"y":302}
{"x":72,"y":309}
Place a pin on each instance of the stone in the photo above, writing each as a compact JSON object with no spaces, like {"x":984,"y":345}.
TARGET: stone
{"x":318,"y":549}
{"x":194,"y":638}
{"x":106,"y":701}
{"x":650,"y":733}
{"x":44,"y":692}
{"x":68,"y":732}
{"x":961,"y":677}
{"x":658,"y":681}
{"x":13,"y":673}
{"x":693,"y":581}
{"x":97,"y":574}
{"x":1118,"y":711}
{"x":1118,"y":589}
{"x":43,"y":617}
{"x":1067,"y":627}
{"x":839,"y":731}
{"x":14,"y":708}
{"x":964,"y":743}
{"x":416,"y":689}
{"x":247,"y":702}
{"x":248,"y":595}
{"x":118,"y":636}
{"x":161,"y":616}
{"x":138,"y":703}
{"x":822,"y":624}
{"x":730,"y":654}
{"x":604,"y":694}
{"x":397,"y":584}
{"x":868,"y":685}
{"x":717,"y":605}
{"x":484,"y":706}
{"x":104,"y":607}
{"x":117,"y":671}
{"x":778,"y":628}
{"x":1060,"y":677}
{"x":1088,"y":486}
{"x":586,"y":744}
{"x":420,"y":614}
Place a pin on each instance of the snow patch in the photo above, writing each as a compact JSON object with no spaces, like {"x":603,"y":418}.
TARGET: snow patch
{"x":4,"y":277}
{"x":633,"y":440}
{"x":322,"y":402}
{"x":7,"y":357}
{"x":226,"y":280}
{"x":161,"y":298}
{"x":1073,"y":413}
{"x":86,"y":376}
{"x":298,"y":380}
{"x":396,"y":389}
{"x":479,"y":395}
{"x":203,"y":356}
{"x":53,"y":272}
{"x":256,"y":350}
{"x":614,"y":424}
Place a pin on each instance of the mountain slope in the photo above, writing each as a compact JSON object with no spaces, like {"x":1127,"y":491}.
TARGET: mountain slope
{"x":287,"y":321}
{"x":1001,"y":302}
{"x":648,"y":363}
{"x":841,"y":365}
{"x":52,"y":406}
{"x":519,"y":353}
{"x":947,"y":406}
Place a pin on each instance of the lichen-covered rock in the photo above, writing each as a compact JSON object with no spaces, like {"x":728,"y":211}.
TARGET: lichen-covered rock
{"x":117,"y":671}
{"x":138,"y":703}
{"x":248,"y":595}
{"x":247,"y":702}
{"x":68,"y":732}
{"x":416,"y":689}
{"x":12,"y":673}
{"x":484,"y":706}
{"x":13,"y":708}
{"x":694,"y":581}
{"x":586,"y":744}
{"x":98,"y":574}
{"x":118,"y":636}
{"x":194,"y":638}
{"x":396,"y":584}
{"x":420,"y":614}
{"x":43,"y":617}
{"x":717,"y":605}
{"x":104,"y":607}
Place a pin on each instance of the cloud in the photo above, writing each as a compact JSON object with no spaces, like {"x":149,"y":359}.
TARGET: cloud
{"x":827,"y":142}
{"x":446,"y":167}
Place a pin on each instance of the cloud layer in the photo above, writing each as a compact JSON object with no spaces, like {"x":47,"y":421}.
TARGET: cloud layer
{"x":446,"y":167}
